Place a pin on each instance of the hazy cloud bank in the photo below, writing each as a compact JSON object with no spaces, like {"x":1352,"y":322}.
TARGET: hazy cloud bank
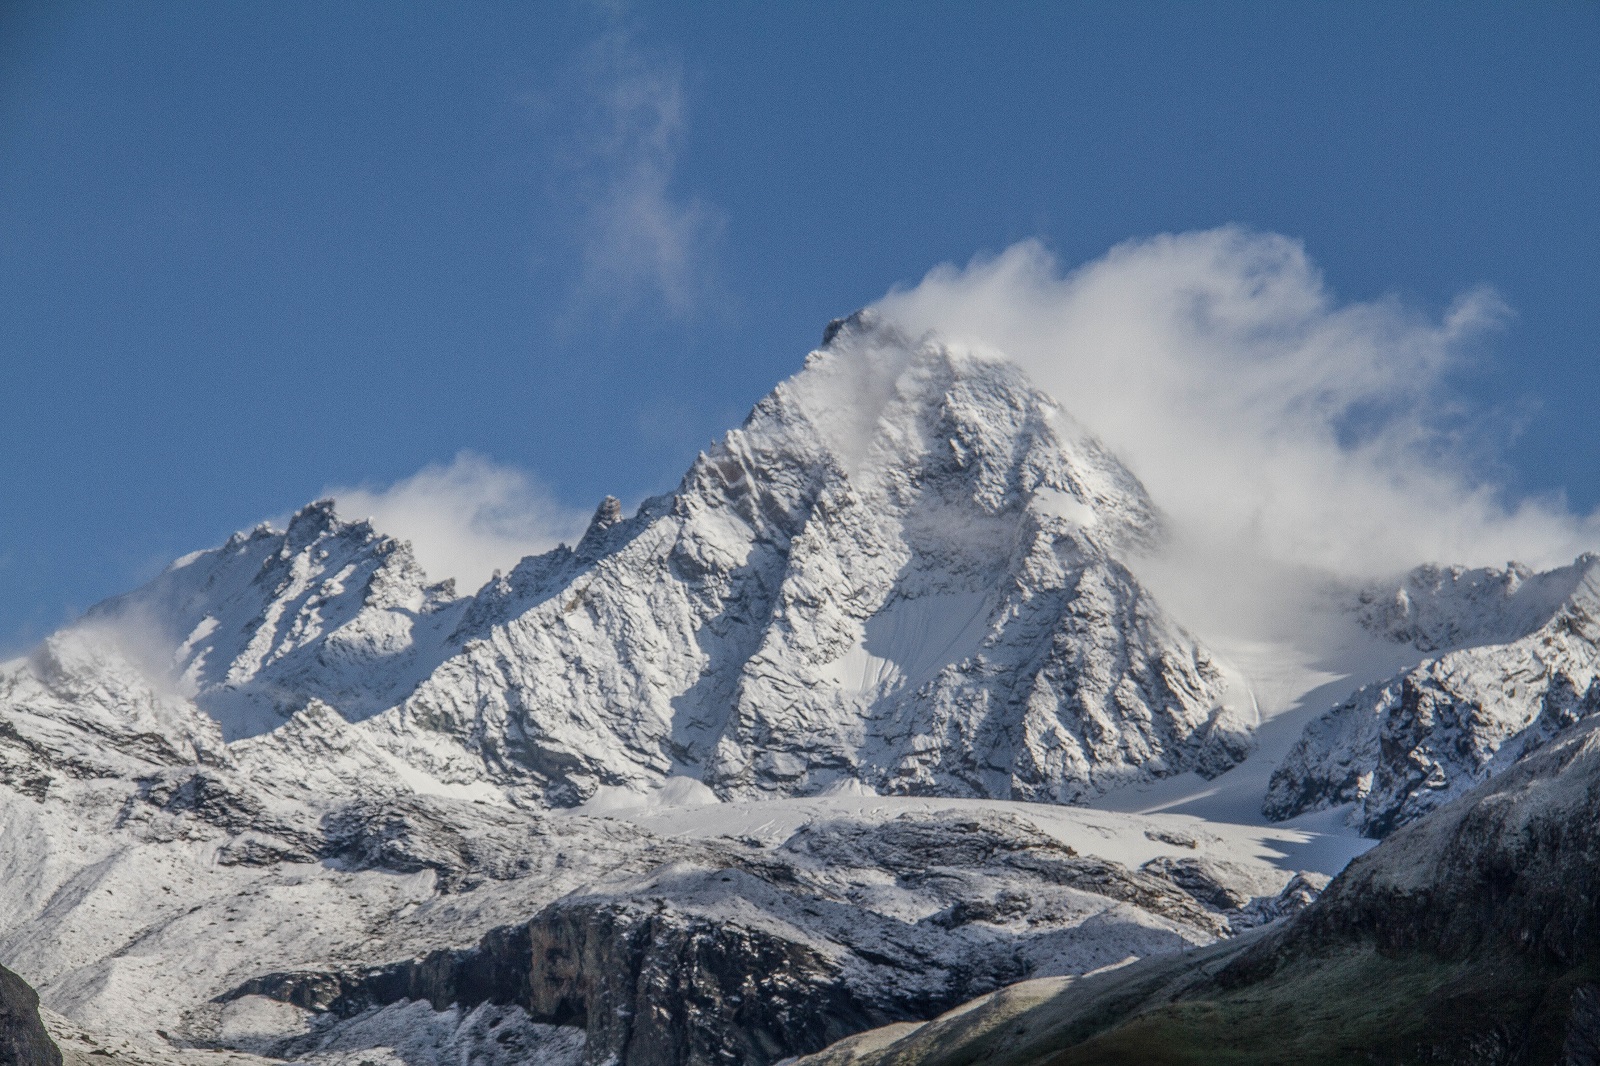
{"x":1290,"y":438}
{"x":465,"y":519}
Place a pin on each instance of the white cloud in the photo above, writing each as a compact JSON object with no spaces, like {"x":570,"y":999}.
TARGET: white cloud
{"x":641,"y":240}
{"x":1290,"y":438}
{"x":465,"y":519}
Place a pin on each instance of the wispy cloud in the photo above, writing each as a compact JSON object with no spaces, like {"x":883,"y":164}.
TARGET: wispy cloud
{"x":1292,"y":439}
{"x":465,"y":519}
{"x":642,"y":242}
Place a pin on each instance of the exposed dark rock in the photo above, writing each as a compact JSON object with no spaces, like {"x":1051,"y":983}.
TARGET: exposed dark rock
{"x":255,"y":850}
{"x":1200,"y":879}
{"x":660,"y":986}
{"x":23,"y":1040}
{"x":23,"y":762}
{"x":1005,"y":906}
{"x":1173,"y":837}
{"x":651,"y":984}
{"x":912,"y":845}
{"x":919,"y":848}
{"x":1117,"y":882}
{"x":1582,"y":1044}
{"x":496,"y":971}
{"x":408,"y":834}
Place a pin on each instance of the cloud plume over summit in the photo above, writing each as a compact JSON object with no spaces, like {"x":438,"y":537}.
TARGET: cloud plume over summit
{"x":1291,"y":438}
{"x":464,"y":519}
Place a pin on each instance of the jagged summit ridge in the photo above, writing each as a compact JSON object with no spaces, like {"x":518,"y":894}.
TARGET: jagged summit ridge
{"x":1520,"y":655}
{"x":903,"y":570}
{"x":1440,"y":608}
{"x":324,"y":609}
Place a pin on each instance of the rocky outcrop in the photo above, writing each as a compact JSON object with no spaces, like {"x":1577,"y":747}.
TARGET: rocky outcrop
{"x":926,"y":851}
{"x":653,"y":985}
{"x":1245,"y":897}
{"x":647,"y":983}
{"x":23,"y":1040}
{"x":1437,"y":609}
{"x":1402,"y":747}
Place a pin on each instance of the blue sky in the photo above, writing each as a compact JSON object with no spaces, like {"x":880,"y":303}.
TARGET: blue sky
{"x":249,"y":252}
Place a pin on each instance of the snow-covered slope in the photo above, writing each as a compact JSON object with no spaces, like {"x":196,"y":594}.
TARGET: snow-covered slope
{"x":903,"y":571}
{"x":1401,"y":747}
{"x":224,"y":898}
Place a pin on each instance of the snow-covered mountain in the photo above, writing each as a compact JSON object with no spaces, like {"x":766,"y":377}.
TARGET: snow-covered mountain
{"x":778,"y":757}
{"x":903,"y":571}
{"x":293,"y":764}
{"x":254,"y":630}
{"x":1520,"y":657}
{"x":302,"y":894}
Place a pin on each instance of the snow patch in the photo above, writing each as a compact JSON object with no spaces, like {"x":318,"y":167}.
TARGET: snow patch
{"x":676,"y":791}
{"x":1065,"y":505}
{"x":909,"y":641}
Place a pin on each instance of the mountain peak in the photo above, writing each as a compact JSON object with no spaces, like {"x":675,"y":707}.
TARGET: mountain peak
{"x":1516,"y":659}
{"x":901,"y":572}
{"x":608,"y":514}
{"x":1437,"y":608}
{"x":323,"y":609}
{"x":866,"y":320}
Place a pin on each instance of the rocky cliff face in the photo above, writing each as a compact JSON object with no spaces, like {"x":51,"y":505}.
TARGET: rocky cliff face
{"x":738,"y":953}
{"x":1402,"y":747}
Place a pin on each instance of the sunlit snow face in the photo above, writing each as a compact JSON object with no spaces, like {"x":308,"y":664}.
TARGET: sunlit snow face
{"x":1065,"y":506}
